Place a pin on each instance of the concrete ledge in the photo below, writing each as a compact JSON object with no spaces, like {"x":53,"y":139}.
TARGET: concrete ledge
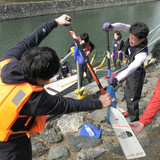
{"x":21,"y":10}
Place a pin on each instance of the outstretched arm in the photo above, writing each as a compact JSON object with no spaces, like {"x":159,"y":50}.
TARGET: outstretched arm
{"x":152,"y":107}
{"x":116,"y":26}
{"x":121,"y":26}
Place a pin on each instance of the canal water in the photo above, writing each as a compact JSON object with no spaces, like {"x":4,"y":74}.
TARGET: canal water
{"x":90,"y":21}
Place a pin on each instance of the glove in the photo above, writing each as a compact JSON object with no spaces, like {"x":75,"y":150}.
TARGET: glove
{"x":112,"y":80}
{"x":136,"y":127}
{"x":107,"y":26}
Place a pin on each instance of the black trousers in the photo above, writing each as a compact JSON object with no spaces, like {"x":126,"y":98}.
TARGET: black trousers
{"x":88,"y":73}
{"x":132,"y":94}
{"x":117,"y":65}
{"x":16,"y":149}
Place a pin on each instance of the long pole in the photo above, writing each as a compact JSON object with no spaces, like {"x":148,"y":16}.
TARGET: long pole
{"x":108,"y":50}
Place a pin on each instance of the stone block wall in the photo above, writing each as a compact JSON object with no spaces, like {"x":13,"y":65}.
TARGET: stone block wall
{"x":21,"y":10}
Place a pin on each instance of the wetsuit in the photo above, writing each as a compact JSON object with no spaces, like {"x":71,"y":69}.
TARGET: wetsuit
{"x":118,"y":46}
{"x":134,"y":73}
{"x":18,"y":147}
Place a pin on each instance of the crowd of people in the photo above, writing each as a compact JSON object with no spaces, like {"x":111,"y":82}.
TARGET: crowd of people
{"x":26,"y":68}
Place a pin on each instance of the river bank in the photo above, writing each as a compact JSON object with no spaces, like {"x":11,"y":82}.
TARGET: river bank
{"x":22,"y":10}
{"x":61,"y":138}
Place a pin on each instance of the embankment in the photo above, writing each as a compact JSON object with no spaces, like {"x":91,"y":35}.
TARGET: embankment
{"x":21,"y":10}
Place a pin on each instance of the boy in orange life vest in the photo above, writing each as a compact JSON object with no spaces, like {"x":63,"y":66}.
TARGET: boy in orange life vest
{"x":24,"y":104}
{"x":88,"y":47}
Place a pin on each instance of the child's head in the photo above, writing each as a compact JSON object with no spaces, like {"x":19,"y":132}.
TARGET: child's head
{"x":117,"y":35}
{"x":85,"y":37}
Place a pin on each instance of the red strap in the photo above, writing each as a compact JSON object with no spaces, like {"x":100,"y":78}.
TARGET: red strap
{"x":113,"y":75}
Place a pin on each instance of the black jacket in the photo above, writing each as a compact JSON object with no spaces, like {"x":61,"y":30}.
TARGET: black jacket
{"x":65,"y":68}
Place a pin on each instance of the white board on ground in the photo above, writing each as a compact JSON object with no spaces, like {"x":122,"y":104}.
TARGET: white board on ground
{"x":60,"y":85}
{"x":128,"y":141}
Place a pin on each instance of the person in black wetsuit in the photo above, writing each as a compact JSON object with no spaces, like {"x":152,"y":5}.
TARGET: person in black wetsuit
{"x":136,"y":51}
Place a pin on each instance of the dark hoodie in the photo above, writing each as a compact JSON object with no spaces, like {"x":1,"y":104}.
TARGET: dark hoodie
{"x":65,"y":68}
{"x":40,"y":103}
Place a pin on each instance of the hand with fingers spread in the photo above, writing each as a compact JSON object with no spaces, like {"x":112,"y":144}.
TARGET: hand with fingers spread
{"x":106,"y":100}
{"x":136,"y":127}
{"x":62,"y":20}
{"x":112,"y":80}
{"x":107,"y":26}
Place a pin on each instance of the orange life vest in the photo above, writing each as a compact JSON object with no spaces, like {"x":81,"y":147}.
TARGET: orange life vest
{"x":12,"y":99}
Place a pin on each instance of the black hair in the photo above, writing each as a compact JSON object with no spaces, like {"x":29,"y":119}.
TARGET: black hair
{"x":84,"y":36}
{"x":39,"y":63}
{"x":119,"y":34}
{"x":156,"y":50}
{"x":139,"y":29}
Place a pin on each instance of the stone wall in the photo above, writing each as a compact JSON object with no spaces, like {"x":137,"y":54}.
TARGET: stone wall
{"x":21,"y":10}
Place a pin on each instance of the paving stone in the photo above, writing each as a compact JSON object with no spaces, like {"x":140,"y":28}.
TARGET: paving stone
{"x":81,"y":142}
